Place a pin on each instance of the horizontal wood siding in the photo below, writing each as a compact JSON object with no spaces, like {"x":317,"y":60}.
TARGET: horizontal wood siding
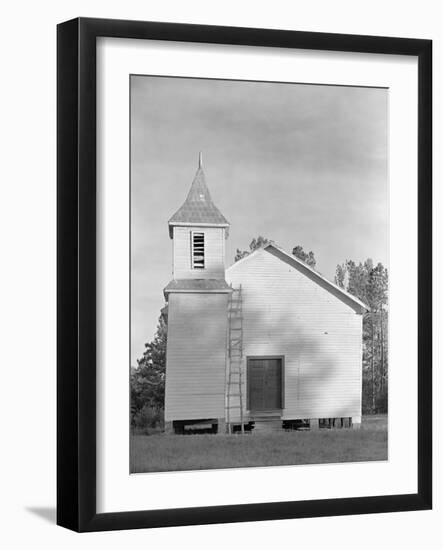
{"x":286,"y":313}
{"x":196,"y":356}
{"x":214,"y":253}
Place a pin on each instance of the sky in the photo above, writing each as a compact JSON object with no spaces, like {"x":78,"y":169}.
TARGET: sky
{"x":300,"y":164}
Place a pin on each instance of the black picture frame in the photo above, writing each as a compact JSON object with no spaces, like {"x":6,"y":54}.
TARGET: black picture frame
{"x":76,"y":280}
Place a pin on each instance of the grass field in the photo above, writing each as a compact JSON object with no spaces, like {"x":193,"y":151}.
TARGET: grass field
{"x":156,"y":453}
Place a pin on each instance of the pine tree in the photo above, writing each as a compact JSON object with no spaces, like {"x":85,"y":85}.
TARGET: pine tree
{"x":370,"y":284}
{"x":148,"y":378}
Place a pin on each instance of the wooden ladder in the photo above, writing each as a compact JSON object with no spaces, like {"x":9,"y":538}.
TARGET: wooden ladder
{"x":234,"y":386}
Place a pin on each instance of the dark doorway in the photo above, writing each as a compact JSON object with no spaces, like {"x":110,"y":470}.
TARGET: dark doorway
{"x":265,"y":376}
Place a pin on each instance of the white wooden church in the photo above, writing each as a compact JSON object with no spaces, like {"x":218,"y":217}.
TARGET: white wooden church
{"x":266,"y":343}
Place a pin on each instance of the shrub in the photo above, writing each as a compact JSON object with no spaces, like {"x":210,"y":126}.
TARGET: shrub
{"x":148,"y":420}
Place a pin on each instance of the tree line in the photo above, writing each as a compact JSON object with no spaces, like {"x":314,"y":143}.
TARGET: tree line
{"x":367,"y":282}
{"x":147,"y":382}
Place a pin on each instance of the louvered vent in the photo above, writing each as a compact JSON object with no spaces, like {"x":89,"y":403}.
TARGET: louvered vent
{"x":198,"y":250}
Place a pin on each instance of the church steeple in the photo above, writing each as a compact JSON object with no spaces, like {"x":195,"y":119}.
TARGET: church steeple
{"x":197,"y":297}
{"x":198,"y":230}
{"x":198,"y":208}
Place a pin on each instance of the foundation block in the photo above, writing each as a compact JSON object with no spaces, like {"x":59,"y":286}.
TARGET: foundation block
{"x":221,"y":426}
{"x":314,"y":424}
{"x":169,"y":428}
{"x":356,"y":422}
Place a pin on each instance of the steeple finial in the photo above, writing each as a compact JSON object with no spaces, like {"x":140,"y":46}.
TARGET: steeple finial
{"x":200,"y":160}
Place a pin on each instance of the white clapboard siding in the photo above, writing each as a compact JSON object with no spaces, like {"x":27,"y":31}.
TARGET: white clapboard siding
{"x":214,"y":253}
{"x":287,"y":313}
{"x":196,"y":356}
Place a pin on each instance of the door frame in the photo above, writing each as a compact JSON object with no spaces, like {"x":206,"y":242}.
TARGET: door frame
{"x":250,"y":358}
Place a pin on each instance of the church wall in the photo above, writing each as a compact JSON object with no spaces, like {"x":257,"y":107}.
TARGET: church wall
{"x":286,"y":313}
{"x":196,"y":356}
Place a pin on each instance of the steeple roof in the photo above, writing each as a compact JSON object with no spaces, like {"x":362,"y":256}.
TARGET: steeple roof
{"x":198,"y":208}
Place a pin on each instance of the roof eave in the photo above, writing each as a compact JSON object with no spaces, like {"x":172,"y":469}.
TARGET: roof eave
{"x":199,"y":224}
{"x":319,"y":275}
{"x":195,"y":291}
{"x":172,"y":224}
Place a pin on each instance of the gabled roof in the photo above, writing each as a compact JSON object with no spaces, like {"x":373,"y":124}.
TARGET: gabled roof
{"x":314,"y":275}
{"x":198,"y":208}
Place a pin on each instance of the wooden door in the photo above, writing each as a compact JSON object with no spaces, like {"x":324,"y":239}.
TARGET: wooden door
{"x":264,"y":384}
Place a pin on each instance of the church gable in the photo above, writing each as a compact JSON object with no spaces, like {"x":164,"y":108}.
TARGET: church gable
{"x":279,"y":272}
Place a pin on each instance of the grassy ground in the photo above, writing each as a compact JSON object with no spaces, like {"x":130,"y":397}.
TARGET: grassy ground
{"x":161,"y":452}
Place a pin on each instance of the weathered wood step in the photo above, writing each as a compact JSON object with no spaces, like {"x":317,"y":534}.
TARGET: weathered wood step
{"x":267,"y":425}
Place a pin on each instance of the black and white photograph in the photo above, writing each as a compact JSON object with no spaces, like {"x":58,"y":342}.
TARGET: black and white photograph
{"x":221,"y":309}
{"x":259,"y":274}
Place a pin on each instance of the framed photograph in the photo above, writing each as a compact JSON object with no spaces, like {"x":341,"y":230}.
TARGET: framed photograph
{"x":244,"y":274}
